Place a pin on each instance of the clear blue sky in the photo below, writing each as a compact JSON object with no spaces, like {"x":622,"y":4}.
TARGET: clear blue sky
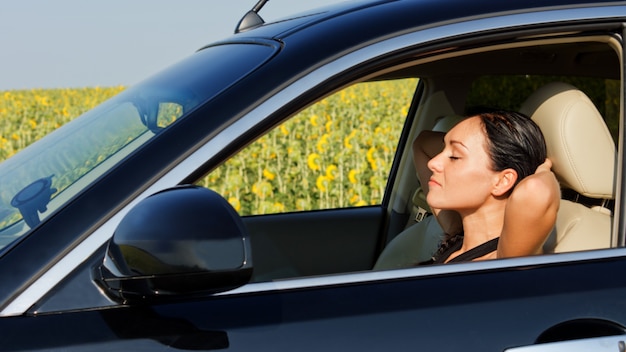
{"x":81,"y":43}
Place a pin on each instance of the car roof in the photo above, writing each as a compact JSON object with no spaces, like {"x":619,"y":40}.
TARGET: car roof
{"x":319,"y":35}
{"x":374,"y":18}
{"x":312,"y":38}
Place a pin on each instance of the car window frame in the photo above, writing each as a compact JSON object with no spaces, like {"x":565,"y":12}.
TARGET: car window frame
{"x":422,"y":39}
{"x":337,"y":119}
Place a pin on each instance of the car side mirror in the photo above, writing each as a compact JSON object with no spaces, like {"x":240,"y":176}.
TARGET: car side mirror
{"x":180,"y":242}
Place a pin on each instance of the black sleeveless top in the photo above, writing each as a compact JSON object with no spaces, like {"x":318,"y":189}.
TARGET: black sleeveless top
{"x":453,"y":244}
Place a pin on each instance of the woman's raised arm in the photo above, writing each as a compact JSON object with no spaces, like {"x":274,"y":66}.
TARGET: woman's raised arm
{"x":530,"y":214}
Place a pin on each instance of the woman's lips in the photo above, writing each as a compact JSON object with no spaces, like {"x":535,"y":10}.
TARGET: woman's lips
{"x":432,"y":183}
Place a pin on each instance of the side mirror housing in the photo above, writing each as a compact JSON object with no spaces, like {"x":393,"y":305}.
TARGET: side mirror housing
{"x":180,"y":242}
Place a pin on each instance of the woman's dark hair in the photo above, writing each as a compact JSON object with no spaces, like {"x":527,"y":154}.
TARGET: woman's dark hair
{"x":514,"y":141}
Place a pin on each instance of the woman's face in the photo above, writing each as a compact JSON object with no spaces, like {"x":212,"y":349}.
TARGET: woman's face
{"x":462,"y":178}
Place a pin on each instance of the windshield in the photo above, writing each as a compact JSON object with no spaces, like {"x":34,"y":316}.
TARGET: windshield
{"x":47,"y":174}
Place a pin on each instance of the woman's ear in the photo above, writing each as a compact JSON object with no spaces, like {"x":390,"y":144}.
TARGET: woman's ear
{"x":504,"y":182}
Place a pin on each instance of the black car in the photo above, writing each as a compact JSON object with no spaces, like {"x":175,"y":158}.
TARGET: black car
{"x":262,"y":195}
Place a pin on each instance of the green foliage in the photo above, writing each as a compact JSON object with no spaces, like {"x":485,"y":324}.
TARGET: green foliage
{"x":509,"y":92}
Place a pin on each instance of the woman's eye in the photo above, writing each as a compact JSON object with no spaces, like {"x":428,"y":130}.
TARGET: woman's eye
{"x":452,"y":157}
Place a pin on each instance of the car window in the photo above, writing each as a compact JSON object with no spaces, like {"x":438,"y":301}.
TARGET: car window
{"x":352,"y":135}
{"x":577,"y":107}
{"x":50,"y":172}
{"x":336,"y":153}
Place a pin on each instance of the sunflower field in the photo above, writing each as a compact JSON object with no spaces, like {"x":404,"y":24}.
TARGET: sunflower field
{"x":335,"y":153}
{"x":28,"y":115}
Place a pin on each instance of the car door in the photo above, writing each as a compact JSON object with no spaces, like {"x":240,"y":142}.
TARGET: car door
{"x":312,"y":190}
{"x":330,"y":299}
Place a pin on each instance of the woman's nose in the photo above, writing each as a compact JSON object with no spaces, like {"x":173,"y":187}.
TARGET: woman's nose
{"x":434,"y":164}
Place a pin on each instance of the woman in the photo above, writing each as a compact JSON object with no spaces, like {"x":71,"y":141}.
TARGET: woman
{"x":492,"y":182}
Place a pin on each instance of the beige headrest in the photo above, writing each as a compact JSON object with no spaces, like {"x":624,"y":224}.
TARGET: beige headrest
{"x":579,"y":143}
{"x":445,"y":123}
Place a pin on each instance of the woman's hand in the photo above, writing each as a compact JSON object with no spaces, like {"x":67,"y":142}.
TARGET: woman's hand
{"x":530,"y":213}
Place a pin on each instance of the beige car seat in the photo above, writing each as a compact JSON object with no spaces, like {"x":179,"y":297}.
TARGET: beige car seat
{"x":582,"y":151}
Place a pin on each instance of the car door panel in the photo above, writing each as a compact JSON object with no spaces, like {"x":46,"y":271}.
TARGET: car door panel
{"x":283,"y":246}
{"x":597,"y":344}
{"x":315,"y":242}
{"x":444,"y":312}
{"x":427,"y":311}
